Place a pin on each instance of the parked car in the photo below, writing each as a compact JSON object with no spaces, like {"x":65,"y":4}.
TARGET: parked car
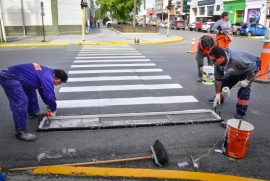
{"x":180,"y":25}
{"x":199,"y":26}
{"x":192,"y":26}
{"x":152,"y":23}
{"x":162,"y":25}
{"x":113,"y":22}
{"x":236,"y":28}
{"x":207,"y":26}
{"x":250,"y":29}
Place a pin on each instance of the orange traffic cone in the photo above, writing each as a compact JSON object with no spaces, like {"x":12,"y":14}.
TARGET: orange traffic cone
{"x":193,"y":47}
{"x":265,"y":58}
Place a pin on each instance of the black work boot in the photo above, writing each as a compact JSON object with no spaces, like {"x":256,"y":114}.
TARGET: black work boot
{"x":32,"y":116}
{"x":25,"y":136}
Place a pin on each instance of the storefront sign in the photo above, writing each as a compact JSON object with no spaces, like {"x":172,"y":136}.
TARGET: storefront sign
{"x":206,"y":2}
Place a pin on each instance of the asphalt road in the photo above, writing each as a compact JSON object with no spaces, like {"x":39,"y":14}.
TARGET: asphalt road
{"x":181,"y":141}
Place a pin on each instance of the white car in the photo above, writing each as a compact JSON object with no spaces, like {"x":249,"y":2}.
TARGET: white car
{"x":113,"y":22}
{"x":207,"y":26}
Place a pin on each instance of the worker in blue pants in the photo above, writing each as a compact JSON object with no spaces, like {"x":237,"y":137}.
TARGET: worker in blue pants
{"x":20,"y":83}
{"x":236,"y":69}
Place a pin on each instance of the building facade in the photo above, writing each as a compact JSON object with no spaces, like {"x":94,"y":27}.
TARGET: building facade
{"x":241,"y":11}
{"x":23,"y":17}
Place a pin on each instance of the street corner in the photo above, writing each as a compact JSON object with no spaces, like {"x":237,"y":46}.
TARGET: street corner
{"x":135,"y":173}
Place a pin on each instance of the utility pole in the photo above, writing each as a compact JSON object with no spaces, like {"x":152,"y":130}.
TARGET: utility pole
{"x":2,"y":24}
{"x":134,"y":13}
{"x":144,"y":16}
{"x":83,"y":5}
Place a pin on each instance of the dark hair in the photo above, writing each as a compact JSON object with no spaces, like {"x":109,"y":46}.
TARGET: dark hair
{"x":224,"y":14}
{"x":60,"y":74}
{"x":207,"y":41}
{"x":217,"y":52}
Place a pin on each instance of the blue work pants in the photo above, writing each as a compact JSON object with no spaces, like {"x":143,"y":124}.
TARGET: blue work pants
{"x":21,"y":102}
{"x":242,"y":95}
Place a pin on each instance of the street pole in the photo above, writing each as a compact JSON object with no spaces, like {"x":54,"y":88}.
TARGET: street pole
{"x":2,"y":24}
{"x":83,"y":25}
{"x":144,"y":16}
{"x":42,"y":14}
{"x":168,"y":27}
{"x":134,"y":13}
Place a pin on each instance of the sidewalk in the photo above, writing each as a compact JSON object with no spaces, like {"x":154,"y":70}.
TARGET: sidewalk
{"x":99,"y":36}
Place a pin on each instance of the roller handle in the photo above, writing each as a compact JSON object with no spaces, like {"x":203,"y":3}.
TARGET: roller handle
{"x":89,"y":163}
{"x":239,"y":124}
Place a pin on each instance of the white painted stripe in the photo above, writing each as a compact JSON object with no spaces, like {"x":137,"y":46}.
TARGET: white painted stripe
{"x":120,"y":87}
{"x":97,"y":54}
{"x":99,"y":57}
{"x":85,"y":79}
{"x":266,"y":50}
{"x":101,"y":50}
{"x":124,"y":101}
{"x":124,"y":60}
{"x":114,"y":71}
{"x":114,"y":65}
{"x":107,"y":48}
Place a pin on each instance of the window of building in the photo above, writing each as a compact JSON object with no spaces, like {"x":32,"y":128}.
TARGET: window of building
{"x":201,"y":10}
{"x":210,"y":10}
{"x":218,"y":8}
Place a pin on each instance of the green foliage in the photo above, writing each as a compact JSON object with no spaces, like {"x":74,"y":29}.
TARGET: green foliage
{"x":118,"y":9}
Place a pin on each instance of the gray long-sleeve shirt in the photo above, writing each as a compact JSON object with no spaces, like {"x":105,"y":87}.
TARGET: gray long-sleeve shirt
{"x":224,"y":25}
{"x":237,"y":63}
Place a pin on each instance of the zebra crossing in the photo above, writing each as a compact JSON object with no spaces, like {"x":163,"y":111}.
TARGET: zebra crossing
{"x":120,"y":70}
{"x":118,"y":87}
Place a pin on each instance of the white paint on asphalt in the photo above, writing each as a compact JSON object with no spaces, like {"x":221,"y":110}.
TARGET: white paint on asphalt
{"x":103,"y":61}
{"x":114,"y":65}
{"x":101,"y":57}
{"x":114,"y":71}
{"x":103,"y":50}
{"x":122,"y":53}
{"x":119,"y":87}
{"x":125,"y":101}
{"x":111,"y":78}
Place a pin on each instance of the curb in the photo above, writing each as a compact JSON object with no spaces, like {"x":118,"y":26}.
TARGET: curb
{"x":34,"y":44}
{"x":174,"y":40}
{"x":136,"y":173}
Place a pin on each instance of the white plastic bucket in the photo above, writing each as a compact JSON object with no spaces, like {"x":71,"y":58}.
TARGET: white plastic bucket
{"x":208,"y":78}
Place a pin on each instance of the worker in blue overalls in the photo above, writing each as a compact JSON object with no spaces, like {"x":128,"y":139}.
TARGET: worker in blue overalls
{"x":20,"y":83}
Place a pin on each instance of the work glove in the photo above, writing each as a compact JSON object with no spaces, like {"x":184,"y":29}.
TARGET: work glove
{"x":217,"y":100}
{"x":50,"y":114}
{"x":242,"y":83}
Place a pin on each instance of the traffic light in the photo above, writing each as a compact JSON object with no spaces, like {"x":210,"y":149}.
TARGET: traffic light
{"x":169,"y":4}
{"x":83,"y":4}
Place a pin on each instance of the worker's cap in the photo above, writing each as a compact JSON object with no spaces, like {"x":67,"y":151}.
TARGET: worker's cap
{"x":207,"y":41}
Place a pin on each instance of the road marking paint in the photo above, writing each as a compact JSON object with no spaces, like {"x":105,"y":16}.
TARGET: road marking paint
{"x":121,"y":60}
{"x":102,"y":50}
{"x":119,"y":87}
{"x":124,"y":56}
{"x":114,"y":71}
{"x":85,"y":79}
{"x":114,"y":65}
{"x":137,"y":173}
{"x":95,"y":54}
{"x":124,"y":101}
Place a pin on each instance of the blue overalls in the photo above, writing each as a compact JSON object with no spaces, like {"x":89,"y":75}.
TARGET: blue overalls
{"x":20,"y":83}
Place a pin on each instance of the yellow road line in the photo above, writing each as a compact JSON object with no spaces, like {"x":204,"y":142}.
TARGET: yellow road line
{"x":137,"y":173}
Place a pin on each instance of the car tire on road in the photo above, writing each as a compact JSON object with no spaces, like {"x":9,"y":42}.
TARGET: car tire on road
{"x":238,"y":32}
{"x":249,"y":34}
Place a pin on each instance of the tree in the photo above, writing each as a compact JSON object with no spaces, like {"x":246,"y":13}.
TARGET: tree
{"x":119,"y":9}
